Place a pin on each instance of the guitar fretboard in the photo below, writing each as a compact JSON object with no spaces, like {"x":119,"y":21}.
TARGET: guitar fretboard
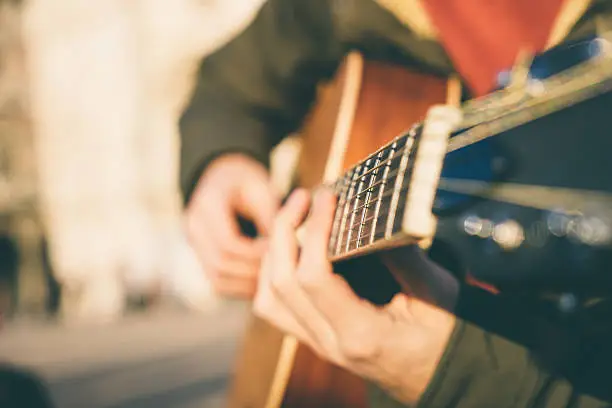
{"x":371,"y":195}
{"x":370,"y":203}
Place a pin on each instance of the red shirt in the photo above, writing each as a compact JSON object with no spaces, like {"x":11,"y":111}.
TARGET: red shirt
{"x":483,"y":37}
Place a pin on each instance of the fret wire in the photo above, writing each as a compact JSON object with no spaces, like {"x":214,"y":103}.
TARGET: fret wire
{"x":351,"y":186}
{"x":370,"y":170}
{"x":364,"y":212}
{"x":350,"y":178}
{"x":391,"y":173}
{"x":386,"y":194}
{"x":385,"y":176}
{"x":357,"y":225}
{"x":378,"y":229}
{"x":398,"y":182}
{"x":338,"y":213}
{"x":379,"y":196}
{"x":341,"y":208}
{"x":367,"y":189}
{"x":366,"y":219}
{"x":352,"y":221}
{"x":358,"y":238}
{"x":387,"y":161}
{"x":380,"y":164}
{"x":394,"y":141}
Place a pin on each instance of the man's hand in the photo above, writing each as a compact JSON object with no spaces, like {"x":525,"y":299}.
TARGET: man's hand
{"x":232,"y":185}
{"x":397,"y":346}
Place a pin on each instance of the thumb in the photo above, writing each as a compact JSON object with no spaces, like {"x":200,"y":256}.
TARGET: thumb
{"x":259,"y":203}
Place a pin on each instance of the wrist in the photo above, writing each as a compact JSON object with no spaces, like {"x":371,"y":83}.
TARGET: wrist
{"x":412,"y":347}
{"x":430,"y":347}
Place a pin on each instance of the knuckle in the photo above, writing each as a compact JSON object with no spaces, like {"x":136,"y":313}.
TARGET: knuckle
{"x":212,"y":263}
{"x":324,"y":353}
{"x":281,"y":284}
{"x":225,"y":240}
{"x":223,"y":254}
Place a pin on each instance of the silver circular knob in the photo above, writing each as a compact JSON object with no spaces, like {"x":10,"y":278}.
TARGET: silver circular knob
{"x":568,"y":302}
{"x":592,"y":231}
{"x":509,"y":235}
{"x":477,"y":227}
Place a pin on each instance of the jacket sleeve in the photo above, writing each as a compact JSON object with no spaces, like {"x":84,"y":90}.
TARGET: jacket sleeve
{"x":501,"y":355}
{"x":258,"y":88}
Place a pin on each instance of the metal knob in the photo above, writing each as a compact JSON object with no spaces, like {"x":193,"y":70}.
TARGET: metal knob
{"x":509,"y":235}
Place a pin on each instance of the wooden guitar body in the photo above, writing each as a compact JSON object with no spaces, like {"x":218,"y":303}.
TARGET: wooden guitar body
{"x":364,"y":107}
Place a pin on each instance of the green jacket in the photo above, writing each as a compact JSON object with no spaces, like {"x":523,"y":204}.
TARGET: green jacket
{"x":259,"y":87}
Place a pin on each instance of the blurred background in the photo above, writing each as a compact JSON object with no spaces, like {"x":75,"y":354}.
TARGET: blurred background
{"x":101,"y":297}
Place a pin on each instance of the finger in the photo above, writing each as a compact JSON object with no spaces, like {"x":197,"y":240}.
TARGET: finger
{"x":287,"y":324}
{"x":271,"y":308}
{"x":315,"y":270}
{"x":219,"y":228}
{"x":259,"y":203}
{"x":330,"y":293}
{"x":319,"y":224}
{"x":283,"y":256}
{"x":216,"y":259}
{"x":295,"y":209}
{"x":231,"y":278}
{"x":234,"y":268}
{"x":232,"y":287}
{"x":267,"y":306}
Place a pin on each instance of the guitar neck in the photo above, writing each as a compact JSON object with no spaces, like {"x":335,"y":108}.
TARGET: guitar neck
{"x":372,"y":194}
{"x":371,"y":198}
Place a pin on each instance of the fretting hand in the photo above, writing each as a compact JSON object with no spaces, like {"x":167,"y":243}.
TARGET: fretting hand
{"x":398,"y":345}
{"x":233,"y":185}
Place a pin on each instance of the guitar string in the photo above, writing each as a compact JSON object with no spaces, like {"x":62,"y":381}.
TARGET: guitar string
{"x":366,"y":206}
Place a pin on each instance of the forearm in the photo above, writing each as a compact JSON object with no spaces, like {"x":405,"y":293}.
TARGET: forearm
{"x":504,"y":366}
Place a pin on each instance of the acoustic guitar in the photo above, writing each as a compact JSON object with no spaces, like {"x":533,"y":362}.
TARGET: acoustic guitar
{"x":514,"y":187}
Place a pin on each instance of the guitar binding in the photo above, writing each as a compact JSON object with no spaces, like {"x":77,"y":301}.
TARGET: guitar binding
{"x":418,"y":220}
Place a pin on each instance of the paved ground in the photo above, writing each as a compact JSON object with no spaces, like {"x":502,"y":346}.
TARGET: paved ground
{"x":166,"y":359}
